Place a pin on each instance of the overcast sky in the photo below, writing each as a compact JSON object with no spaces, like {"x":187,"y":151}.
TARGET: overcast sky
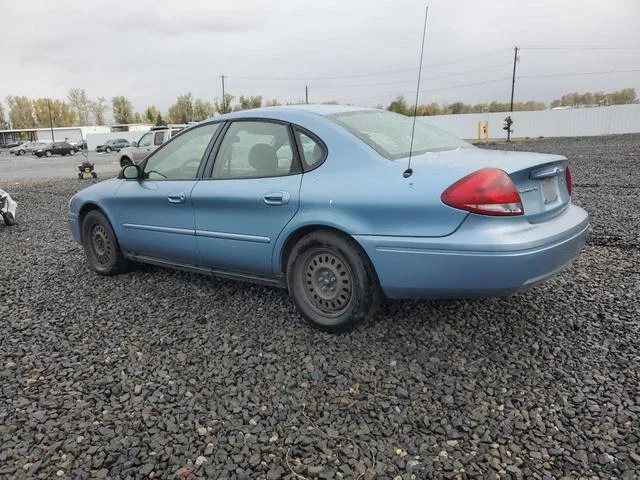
{"x":152,"y":51}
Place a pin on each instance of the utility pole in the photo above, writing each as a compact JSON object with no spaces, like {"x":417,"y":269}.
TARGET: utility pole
{"x":306,"y":93}
{"x":224,"y":100}
{"x":50,"y":120}
{"x":513,"y":84}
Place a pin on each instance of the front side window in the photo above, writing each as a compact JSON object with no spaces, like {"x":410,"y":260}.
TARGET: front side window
{"x":145,"y":141}
{"x":390,"y":133}
{"x":253,"y":149}
{"x":180,"y":158}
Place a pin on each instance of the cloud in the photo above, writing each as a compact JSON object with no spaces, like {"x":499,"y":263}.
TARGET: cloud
{"x":152,"y":51}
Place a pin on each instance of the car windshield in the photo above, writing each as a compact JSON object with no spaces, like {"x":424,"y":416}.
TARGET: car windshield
{"x":390,"y":133}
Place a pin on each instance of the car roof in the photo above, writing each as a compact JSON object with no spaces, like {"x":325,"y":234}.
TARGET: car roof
{"x":283,"y":110}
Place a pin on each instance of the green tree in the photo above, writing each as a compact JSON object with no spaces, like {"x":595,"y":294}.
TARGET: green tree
{"x":3,"y":118}
{"x":98,"y":106}
{"x":224,"y":107}
{"x":79,"y":101}
{"x":247,"y":103}
{"x":122,"y":109}
{"x":399,"y":105}
{"x":151,"y":114}
{"x":21,"y":112}
{"x":182,"y":110}
{"x":202,"y":110}
{"x":62,"y":115}
{"x":160,"y":121}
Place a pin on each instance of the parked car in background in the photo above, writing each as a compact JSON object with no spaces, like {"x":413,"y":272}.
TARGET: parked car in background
{"x":115,"y":144}
{"x":320,"y":200}
{"x":148,"y":142}
{"x":27,"y":147}
{"x":80,"y":144}
{"x":56,"y":148}
{"x":12,"y":144}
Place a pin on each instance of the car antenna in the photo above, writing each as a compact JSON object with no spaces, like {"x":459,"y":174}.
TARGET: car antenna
{"x":408,"y":172}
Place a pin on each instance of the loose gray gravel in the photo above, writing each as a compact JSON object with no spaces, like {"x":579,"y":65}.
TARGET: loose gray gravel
{"x":162,"y":374}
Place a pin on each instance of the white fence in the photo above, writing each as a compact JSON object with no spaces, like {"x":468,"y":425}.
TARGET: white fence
{"x":574,"y":122}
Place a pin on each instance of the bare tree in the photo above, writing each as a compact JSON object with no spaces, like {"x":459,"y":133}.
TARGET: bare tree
{"x":79,"y":101}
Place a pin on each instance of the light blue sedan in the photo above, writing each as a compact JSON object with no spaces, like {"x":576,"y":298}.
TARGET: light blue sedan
{"x":320,"y":200}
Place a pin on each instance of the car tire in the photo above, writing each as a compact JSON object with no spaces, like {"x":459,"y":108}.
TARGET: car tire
{"x":108,"y":150}
{"x":72,"y":152}
{"x":9,"y":219}
{"x":332,"y":282}
{"x":125,"y":161}
{"x":101,"y":246}
{"x":47,"y":153}
{"x":20,"y":152}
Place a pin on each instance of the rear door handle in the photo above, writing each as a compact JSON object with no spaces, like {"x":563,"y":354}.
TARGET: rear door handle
{"x":176,"y":197}
{"x":277,"y":198}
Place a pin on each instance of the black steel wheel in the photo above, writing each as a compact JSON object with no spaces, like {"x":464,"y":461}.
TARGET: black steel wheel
{"x":101,"y":246}
{"x":332,"y":281}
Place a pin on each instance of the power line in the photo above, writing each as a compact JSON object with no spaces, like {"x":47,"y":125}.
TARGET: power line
{"x":578,"y":47}
{"x":488,"y":67}
{"x":575,"y":74}
{"x":432,"y":89}
{"x":373,"y":74}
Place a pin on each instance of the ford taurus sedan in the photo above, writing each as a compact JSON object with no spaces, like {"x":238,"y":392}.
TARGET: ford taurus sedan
{"x":321,"y":200}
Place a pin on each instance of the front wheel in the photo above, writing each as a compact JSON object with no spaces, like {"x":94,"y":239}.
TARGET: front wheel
{"x":101,"y":246}
{"x":332,"y":282}
{"x":125,"y":162}
{"x":9,"y":219}
{"x":21,"y":152}
{"x":108,"y":150}
{"x":72,"y":152}
{"x":47,"y":153}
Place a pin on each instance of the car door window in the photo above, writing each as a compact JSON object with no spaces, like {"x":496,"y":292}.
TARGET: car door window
{"x":145,"y":141}
{"x":158,"y":138}
{"x":180,"y":158}
{"x":312,"y":151}
{"x":253,"y":149}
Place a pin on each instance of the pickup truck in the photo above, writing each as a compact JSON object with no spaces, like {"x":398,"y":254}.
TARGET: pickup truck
{"x":147,"y":144}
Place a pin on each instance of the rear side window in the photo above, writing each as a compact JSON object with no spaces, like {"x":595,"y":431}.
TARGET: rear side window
{"x":158,"y":138}
{"x":312,"y":151}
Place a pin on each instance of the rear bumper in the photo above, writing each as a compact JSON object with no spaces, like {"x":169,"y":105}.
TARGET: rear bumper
{"x":484,"y":257}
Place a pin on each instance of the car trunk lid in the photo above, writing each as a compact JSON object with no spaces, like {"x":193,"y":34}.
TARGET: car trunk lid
{"x":539,"y":178}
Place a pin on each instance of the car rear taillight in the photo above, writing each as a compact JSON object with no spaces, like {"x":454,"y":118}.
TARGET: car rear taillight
{"x":568,"y":179}
{"x":489,"y":191}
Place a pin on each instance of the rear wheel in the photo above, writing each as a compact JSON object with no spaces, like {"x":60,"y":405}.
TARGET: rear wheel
{"x":101,"y":246}
{"x":332,"y":282}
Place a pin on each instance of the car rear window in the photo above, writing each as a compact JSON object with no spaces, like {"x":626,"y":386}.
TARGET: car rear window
{"x":389,"y":133}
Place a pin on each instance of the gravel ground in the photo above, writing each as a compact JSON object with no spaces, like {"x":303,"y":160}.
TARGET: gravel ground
{"x":162,"y":374}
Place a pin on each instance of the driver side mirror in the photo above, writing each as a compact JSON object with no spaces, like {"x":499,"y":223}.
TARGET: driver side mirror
{"x":130,"y":172}
{"x":134,"y":144}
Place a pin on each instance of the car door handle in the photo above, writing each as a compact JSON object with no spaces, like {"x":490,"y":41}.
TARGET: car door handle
{"x":176,"y":197}
{"x":277,"y":198}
